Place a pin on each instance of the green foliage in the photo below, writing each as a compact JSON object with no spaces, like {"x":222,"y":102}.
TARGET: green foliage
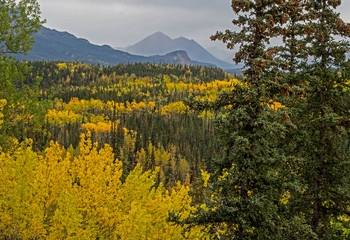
{"x":293,"y":53}
{"x":254,"y":172}
{"x":285,"y":171}
{"x":19,"y":20}
{"x":258,"y":25}
{"x":323,"y":122}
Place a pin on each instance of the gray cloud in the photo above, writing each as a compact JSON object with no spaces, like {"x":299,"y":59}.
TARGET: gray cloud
{"x":121,"y":23}
{"x":188,"y":4}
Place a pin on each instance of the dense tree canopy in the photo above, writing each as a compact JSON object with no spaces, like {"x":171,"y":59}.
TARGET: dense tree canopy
{"x":284,"y":173}
{"x":19,"y":20}
{"x":106,"y":152}
{"x":323,"y":120}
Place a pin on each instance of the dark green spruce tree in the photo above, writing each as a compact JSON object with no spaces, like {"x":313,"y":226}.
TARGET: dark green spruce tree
{"x":293,"y":52}
{"x":323,"y":120}
{"x":249,"y":189}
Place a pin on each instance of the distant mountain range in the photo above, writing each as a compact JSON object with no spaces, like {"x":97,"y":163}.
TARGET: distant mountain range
{"x":53,"y":45}
{"x":158,"y":48}
{"x":159,"y":44}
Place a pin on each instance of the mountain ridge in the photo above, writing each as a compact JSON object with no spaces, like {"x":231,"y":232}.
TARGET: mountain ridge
{"x":159,"y":43}
{"x":54,"y":45}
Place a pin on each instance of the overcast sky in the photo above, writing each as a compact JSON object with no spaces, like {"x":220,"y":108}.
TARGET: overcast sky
{"x":121,"y":23}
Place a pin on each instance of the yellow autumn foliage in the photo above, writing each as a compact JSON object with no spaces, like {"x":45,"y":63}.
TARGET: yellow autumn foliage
{"x":98,"y":127}
{"x":206,"y":88}
{"x":57,"y":195}
{"x":21,"y":216}
{"x":75,"y":108}
{"x":205,"y":177}
{"x":135,"y":106}
{"x":62,"y":117}
{"x":79,"y":105}
{"x":175,"y":107}
{"x":61,"y":65}
{"x":118,"y":107}
{"x":151,"y":104}
{"x":276,"y":105}
{"x":3,"y":102}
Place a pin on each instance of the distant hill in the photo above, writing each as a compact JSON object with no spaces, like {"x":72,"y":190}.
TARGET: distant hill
{"x":159,"y":44}
{"x":177,"y":57}
{"x":53,"y":45}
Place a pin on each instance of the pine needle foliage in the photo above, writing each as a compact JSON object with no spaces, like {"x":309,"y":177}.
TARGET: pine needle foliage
{"x":285,"y":129}
{"x":248,"y":190}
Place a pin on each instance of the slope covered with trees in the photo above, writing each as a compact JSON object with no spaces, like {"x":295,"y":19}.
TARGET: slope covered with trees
{"x":157,"y":149}
{"x":107,"y":152}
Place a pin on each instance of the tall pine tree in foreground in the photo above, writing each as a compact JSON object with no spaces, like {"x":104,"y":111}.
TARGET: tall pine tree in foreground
{"x":249,"y":189}
{"x":323,"y":120}
{"x":293,"y":53}
{"x":285,"y":172}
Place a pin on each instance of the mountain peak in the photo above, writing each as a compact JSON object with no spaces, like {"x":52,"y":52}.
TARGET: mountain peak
{"x":160,"y":44}
{"x":157,"y":36}
{"x":156,"y":44}
{"x":181,"y":38}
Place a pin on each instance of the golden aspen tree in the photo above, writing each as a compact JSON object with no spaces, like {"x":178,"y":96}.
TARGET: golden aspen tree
{"x":67,"y":221}
{"x":20,"y":216}
{"x":53,"y":184}
{"x":145,"y":208}
{"x":3,"y":102}
{"x":78,"y":194}
{"x":97,"y":180}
